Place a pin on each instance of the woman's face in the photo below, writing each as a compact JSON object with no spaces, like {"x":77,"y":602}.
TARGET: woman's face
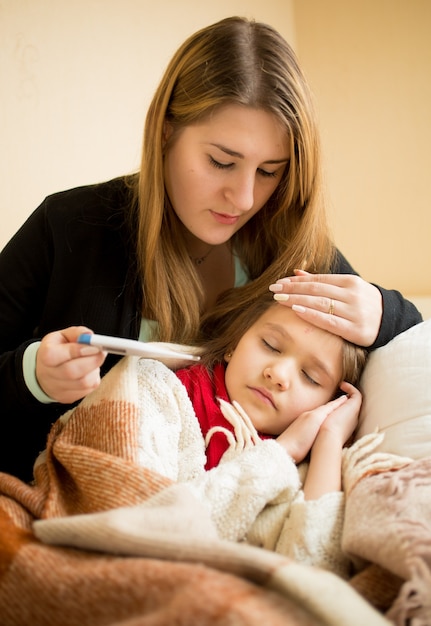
{"x":220,"y":172}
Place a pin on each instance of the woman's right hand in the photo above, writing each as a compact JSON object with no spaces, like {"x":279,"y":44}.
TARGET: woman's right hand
{"x":65,"y":370}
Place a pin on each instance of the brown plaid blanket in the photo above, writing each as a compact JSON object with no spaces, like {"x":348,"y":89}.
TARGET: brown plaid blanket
{"x":99,"y":540}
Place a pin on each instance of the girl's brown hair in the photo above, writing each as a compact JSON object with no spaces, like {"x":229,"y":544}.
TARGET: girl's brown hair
{"x":235,"y":324}
{"x":234,"y":61}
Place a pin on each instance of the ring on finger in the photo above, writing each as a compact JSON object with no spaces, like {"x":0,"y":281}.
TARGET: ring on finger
{"x":331,"y":307}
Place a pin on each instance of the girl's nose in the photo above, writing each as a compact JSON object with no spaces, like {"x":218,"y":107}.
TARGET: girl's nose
{"x":279,"y":375}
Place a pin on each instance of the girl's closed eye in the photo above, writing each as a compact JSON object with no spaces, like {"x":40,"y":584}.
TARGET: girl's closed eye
{"x":269,"y":346}
{"x":310,"y":379}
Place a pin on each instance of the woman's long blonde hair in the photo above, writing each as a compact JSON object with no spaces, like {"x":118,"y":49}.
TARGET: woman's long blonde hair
{"x":235,"y":61}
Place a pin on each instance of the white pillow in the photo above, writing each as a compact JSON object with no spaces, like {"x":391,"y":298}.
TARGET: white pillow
{"x":396,"y":386}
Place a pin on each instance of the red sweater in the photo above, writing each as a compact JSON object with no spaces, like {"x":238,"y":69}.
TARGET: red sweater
{"x":203,"y":390}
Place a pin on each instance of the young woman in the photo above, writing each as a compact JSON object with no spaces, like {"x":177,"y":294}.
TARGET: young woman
{"x":228,"y":199}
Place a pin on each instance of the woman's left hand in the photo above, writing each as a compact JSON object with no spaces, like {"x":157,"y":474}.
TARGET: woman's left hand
{"x":343,"y":304}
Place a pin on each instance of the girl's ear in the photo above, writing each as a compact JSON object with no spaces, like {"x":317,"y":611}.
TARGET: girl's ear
{"x":228,"y":356}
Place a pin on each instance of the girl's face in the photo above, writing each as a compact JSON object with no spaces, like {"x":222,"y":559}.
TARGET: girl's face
{"x":220,"y":172}
{"x":282,"y":367}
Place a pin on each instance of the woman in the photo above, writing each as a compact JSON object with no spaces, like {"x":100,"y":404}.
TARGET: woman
{"x":229,"y":194}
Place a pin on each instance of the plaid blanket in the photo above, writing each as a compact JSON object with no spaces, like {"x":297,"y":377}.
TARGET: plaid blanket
{"x":97,"y":539}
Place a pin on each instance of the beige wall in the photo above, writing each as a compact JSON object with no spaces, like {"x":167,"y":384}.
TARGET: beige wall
{"x":76,"y":77}
{"x":369,"y":62}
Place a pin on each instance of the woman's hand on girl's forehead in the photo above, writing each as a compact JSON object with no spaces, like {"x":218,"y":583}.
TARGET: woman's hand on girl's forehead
{"x":343,"y":304}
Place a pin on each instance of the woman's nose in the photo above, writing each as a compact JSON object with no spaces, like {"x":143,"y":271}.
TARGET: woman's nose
{"x":240,"y":192}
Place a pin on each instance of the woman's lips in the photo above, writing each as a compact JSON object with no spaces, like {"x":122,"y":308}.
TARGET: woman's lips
{"x":224,"y":218}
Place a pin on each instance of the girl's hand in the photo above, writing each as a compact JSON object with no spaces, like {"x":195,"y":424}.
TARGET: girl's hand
{"x":324,"y":471}
{"x":343,"y":304}
{"x":67,"y":371}
{"x":342,"y":422}
{"x":300,"y":435}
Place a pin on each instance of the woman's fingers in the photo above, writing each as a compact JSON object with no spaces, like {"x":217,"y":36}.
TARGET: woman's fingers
{"x":325,"y":293}
{"x":60,"y":347}
{"x":343,"y":304}
{"x":65,"y":370}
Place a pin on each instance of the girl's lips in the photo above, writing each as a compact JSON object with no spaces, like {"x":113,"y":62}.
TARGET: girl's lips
{"x":264,"y":395}
{"x":224,"y":218}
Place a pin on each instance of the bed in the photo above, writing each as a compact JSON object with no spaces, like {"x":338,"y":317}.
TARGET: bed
{"x":97,"y":540}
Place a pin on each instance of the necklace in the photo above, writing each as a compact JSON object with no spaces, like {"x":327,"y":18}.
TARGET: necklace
{"x":198,"y":260}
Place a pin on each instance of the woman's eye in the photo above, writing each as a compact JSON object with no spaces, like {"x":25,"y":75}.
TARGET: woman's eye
{"x":226,"y":166}
{"x":218,"y":165}
{"x":266,"y":174}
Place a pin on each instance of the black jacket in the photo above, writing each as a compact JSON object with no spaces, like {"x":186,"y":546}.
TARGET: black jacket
{"x":73,"y":263}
